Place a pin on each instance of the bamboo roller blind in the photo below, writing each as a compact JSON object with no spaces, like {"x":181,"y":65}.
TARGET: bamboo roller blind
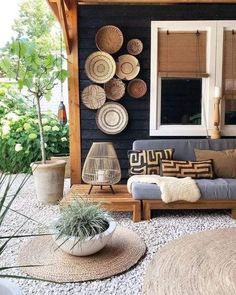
{"x":182,"y":54}
{"x":229,"y":70}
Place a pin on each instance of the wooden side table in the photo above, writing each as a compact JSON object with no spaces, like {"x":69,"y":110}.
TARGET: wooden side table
{"x":120,"y":201}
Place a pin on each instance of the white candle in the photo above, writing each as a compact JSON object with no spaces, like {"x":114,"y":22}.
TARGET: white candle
{"x":101,"y":175}
{"x":217,"y":91}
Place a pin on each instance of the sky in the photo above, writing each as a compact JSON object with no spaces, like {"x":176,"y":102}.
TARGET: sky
{"x":8,"y":12}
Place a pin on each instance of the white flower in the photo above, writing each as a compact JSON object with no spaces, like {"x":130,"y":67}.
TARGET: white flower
{"x":55,"y":128}
{"x":47,"y":128}
{"x":6,"y":129}
{"x":36,"y":121}
{"x":45,"y":145}
{"x":44,"y":121}
{"x":12,"y":116}
{"x":27,"y":126}
{"x":18,"y":147}
{"x":32,"y":136}
{"x":63,"y":139}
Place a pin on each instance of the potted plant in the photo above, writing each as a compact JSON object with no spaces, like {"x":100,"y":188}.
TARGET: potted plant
{"x":36,"y":74}
{"x":82,"y":228}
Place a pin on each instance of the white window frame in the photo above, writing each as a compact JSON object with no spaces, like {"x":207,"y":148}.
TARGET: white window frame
{"x":226,"y":130}
{"x":208,"y":84}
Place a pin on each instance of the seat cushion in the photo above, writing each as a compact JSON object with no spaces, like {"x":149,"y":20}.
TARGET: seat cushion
{"x":211,"y":189}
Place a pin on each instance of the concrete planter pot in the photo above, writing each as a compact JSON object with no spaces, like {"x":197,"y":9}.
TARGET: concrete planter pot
{"x":72,"y":245}
{"x":49,"y":180}
{"x":65,"y":158}
{"x":9,"y":288}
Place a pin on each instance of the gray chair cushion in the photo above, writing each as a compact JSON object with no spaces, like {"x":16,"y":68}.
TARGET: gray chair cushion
{"x":184,"y":148}
{"x":211,"y":189}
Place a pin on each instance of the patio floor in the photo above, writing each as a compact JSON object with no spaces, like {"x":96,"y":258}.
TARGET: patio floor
{"x":168,"y":225}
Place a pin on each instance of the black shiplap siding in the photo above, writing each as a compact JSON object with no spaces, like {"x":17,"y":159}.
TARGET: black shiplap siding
{"x":135,"y":22}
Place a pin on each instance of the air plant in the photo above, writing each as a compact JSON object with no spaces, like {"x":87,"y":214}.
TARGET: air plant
{"x":81,"y":219}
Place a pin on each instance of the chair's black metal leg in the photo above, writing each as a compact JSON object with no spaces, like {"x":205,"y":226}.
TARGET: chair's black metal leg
{"x":112,"y":189}
{"x":91,"y":187}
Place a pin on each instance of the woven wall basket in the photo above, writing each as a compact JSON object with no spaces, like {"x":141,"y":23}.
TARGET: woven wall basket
{"x":137,"y":88}
{"x":112,"y":118}
{"x":93,"y":97}
{"x":100,"y":67}
{"x":135,"y":46}
{"x":109,"y":39}
{"x":115,"y":89}
{"x":127,"y":67}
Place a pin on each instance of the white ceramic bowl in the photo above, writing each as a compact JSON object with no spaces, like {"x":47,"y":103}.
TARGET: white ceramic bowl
{"x":89,"y":246}
{"x":9,"y":288}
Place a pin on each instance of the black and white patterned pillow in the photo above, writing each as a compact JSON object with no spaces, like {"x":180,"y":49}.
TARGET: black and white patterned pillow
{"x":145,"y":162}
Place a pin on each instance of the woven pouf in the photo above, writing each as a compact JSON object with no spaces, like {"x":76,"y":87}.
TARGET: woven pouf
{"x":122,"y":252}
{"x":198,"y":264}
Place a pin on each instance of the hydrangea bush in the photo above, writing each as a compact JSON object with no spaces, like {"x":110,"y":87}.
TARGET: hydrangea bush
{"x":19,"y":139}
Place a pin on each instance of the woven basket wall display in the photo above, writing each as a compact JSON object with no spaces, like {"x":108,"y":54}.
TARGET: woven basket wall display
{"x":127,"y":67}
{"x":112,"y":118}
{"x":115,"y":89}
{"x":137,"y":88}
{"x":93,"y":97}
{"x":109,"y":39}
{"x":135,"y":46}
{"x":100,"y":67}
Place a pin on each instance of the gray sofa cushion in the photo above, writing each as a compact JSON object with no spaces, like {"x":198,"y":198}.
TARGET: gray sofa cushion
{"x":184,"y":148}
{"x":211,"y":189}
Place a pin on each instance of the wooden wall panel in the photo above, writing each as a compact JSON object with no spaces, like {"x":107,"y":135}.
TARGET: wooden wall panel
{"x":135,"y":22}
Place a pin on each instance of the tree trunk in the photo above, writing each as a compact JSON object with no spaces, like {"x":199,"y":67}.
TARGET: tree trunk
{"x":42,"y":142}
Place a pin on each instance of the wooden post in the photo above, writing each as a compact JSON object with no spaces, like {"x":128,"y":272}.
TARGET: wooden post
{"x":74,"y":103}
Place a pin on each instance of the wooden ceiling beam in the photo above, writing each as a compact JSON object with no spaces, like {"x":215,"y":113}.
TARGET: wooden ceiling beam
{"x":59,"y":8}
{"x":53,"y":5}
{"x":67,"y":4}
{"x":64,"y":25}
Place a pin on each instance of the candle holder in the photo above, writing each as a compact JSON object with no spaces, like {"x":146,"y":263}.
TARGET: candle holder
{"x":101,"y":167}
{"x":216,"y":114}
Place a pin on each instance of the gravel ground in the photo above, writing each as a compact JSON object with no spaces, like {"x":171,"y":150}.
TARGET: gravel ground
{"x":156,"y":233}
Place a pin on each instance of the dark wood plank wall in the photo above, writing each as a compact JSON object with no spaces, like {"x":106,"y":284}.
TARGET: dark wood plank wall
{"x":135,"y":22}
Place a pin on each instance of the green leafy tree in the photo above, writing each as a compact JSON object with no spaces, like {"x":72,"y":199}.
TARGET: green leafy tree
{"x":37,"y":23}
{"x":35,"y":72}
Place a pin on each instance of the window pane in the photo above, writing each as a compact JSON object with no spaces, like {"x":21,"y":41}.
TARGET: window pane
{"x":230,"y":111}
{"x":181,"y":101}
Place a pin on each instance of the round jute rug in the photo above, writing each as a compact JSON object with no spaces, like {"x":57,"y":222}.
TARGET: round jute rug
{"x":122,"y":252}
{"x":202,"y":263}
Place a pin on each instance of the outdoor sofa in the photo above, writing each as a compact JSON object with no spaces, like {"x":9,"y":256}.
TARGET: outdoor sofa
{"x":217,"y":193}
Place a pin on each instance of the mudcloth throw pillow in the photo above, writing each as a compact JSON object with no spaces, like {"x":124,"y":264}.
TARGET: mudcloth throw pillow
{"x":147,"y":161}
{"x":200,"y":169}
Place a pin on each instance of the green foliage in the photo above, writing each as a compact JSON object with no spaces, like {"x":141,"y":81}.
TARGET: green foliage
{"x":11,"y":100}
{"x":37,"y":23}
{"x":35,"y":72}
{"x":19,"y":140}
{"x":10,"y":187}
{"x":81,"y":219}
